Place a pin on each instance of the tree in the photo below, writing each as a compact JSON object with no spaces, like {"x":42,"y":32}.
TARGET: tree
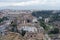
{"x":55,"y":31}
{"x":23,"y":32}
{"x":14,"y":27}
{"x":43,"y":24}
{"x":1,"y":20}
{"x":5,"y":18}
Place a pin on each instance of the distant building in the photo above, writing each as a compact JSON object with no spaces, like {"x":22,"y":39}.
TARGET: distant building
{"x":40,"y":17}
{"x":3,"y":28}
{"x":1,"y":15}
{"x":47,"y":20}
{"x":34,"y":20}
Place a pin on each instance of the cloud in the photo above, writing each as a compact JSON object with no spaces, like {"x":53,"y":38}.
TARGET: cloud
{"x":27,"y":3}
{"x":52,"y":3}
{"x":31,"y":2}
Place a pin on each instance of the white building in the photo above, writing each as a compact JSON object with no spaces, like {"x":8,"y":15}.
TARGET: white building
{"x":34,"y":20}
{"x":47,"y":20}
{"x":28,"y":28}
{"x":40,"y":17}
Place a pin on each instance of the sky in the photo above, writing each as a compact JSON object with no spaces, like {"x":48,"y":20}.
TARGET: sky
{"x":30,"y":4}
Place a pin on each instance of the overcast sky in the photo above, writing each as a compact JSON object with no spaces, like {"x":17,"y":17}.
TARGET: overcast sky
{"x":31,"y":4}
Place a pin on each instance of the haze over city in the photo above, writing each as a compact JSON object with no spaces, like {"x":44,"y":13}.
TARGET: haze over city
{"x":29,"y":19}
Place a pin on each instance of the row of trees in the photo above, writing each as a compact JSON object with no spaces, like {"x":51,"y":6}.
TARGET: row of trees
{"x":2,"y":19}
{"x":44,"y":13}
{"x":42,"y":23}
{"x":54,"y":31}
{"x":14,"y":27}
